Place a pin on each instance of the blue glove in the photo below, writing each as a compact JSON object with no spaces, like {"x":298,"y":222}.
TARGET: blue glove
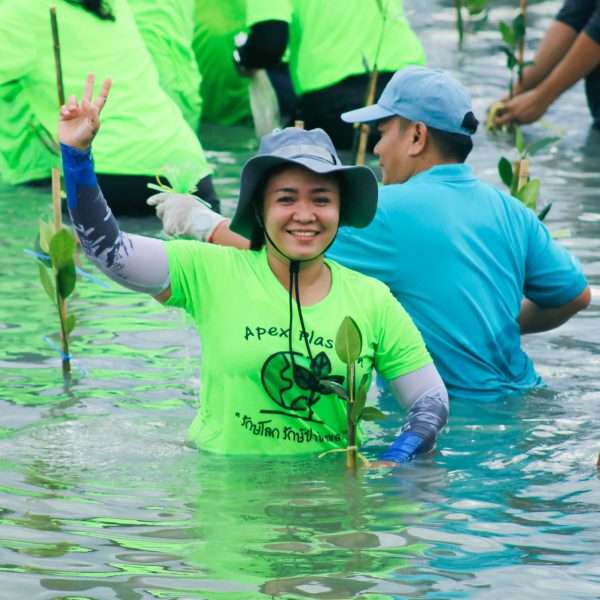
{"x":405,"y":448}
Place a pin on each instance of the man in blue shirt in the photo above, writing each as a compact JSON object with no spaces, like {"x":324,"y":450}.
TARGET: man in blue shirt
{"x":473,"y":267}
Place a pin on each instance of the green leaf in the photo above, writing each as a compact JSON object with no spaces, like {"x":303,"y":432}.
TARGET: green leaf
{"x":359,"y":403}
{"x":519,"y":140}
{"x":529,"y":193}
{"x":538,"y":145}
{"x":519,"y":28}
{"x":46,"y":234}
{"x":66,"y":278}
{"x":507,"y":33}
{"x":336,"y":388}
{"x":370,"y":413}
{"x":511,"y":59}
{"x":47,"y":282}
{"x":70,"y":324}
{"x":544,"y":212}
{"x":506,"y":172}
{"x":348,"y":341}
{"x":38,"y":248}
{"x":61,"y":249}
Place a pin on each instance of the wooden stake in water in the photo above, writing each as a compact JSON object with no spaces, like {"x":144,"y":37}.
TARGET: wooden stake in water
{"x":364,"y":128}
{"x":61,"y":302}
{"x":523,"y":170}
{"x":299,"y":124}
{"x":57,"y":64}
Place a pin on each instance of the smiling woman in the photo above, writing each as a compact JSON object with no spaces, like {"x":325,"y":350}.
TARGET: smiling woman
{"x":262,"y":374}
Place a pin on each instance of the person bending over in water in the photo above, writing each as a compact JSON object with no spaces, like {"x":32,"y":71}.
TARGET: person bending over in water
{"x":268,"y":316}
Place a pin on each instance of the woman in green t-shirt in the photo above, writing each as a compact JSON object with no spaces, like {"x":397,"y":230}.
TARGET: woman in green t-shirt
{"x":264,"y":354}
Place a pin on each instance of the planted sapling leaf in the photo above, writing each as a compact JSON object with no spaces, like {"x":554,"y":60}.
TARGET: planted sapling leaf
{"x":348,"y":346}
{"x":348,"y":341}
{"x":530,"y":193}
{"x":506,"y":172}
{"x":47,"y":282}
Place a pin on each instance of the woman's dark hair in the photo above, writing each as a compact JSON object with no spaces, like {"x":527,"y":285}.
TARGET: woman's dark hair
{"x":96,"y":7}
{"x":257,"y":239}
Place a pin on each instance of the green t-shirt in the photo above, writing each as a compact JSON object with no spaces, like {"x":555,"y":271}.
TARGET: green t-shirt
{"x":224,"y":92}
{"x":251,"y":399}
{"x":167,"y":27}
{"x":142,"y":128}
{"x":328,"y":40}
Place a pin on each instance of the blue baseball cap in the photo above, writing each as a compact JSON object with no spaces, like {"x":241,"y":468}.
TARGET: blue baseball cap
{"x":421,"y":94}
{"x":313,"y":150}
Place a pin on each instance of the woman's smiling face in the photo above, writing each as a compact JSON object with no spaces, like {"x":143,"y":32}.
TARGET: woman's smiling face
{"x":301,"y":212}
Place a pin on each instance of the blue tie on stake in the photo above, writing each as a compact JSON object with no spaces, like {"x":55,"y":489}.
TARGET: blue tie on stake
{"x":64,"y":356}
{"x":79,"y":271}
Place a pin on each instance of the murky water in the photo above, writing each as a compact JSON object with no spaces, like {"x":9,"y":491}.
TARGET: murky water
{"x":100,"y":498}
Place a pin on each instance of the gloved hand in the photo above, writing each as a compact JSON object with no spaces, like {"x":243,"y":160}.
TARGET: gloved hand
{"x":405,"y":448}
{"x":185,"y":215}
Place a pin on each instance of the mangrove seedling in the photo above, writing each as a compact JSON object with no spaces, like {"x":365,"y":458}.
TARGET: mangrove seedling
{"x":472,"y":8}
{"x":59,"y":248}
{"x":514,"y":46}
{"x":516,"y":176}
{"x":348,"y":346}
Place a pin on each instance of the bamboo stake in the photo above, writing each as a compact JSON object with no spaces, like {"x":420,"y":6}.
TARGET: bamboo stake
{"x":365,"y":128}
{"x":351,"y":454}
{"x":59,"y":79}
{"x":523,"y":169}
{"x":361,"y":133}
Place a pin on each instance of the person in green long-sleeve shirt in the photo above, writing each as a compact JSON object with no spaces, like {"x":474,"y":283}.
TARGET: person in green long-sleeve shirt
{"x":224,"y":94}
{"x":167,"y":28}
{"x":144,"y":132}
{"x":332,"y":46}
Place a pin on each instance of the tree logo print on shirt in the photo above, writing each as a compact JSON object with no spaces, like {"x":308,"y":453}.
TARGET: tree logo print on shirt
{"x":297,"y":389}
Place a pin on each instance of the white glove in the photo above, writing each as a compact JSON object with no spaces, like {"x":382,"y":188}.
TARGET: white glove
{"x":185,"y":215}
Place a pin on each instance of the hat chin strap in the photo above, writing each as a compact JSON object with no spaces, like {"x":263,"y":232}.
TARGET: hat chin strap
{"x":294,"y":270}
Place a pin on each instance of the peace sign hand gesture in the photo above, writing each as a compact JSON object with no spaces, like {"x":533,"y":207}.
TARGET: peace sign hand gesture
{"x":79,"y":122}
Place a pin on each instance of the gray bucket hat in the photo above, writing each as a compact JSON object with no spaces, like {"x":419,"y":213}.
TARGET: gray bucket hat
{"x":313,"y":150}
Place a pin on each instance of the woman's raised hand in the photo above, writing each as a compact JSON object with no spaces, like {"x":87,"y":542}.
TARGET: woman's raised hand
{"x":79,"y":121}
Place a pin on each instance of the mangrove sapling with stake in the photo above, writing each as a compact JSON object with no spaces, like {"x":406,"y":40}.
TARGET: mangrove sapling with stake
{"x":516,"y":176}
{"x":361,"y":133}
{"x":348,"y":346}
{"x":58,"y":244}
{"x":514,"y":47}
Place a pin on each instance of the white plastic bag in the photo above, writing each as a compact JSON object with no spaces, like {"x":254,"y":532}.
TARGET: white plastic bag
{"x":263,"y":103}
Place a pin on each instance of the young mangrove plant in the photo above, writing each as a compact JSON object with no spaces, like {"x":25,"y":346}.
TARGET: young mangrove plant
{"x":348,"y":346}
{"x":516,"y":175}
{"x":514,"y":35}
{"x":58,"y":277}
{"x":472,"y":8}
